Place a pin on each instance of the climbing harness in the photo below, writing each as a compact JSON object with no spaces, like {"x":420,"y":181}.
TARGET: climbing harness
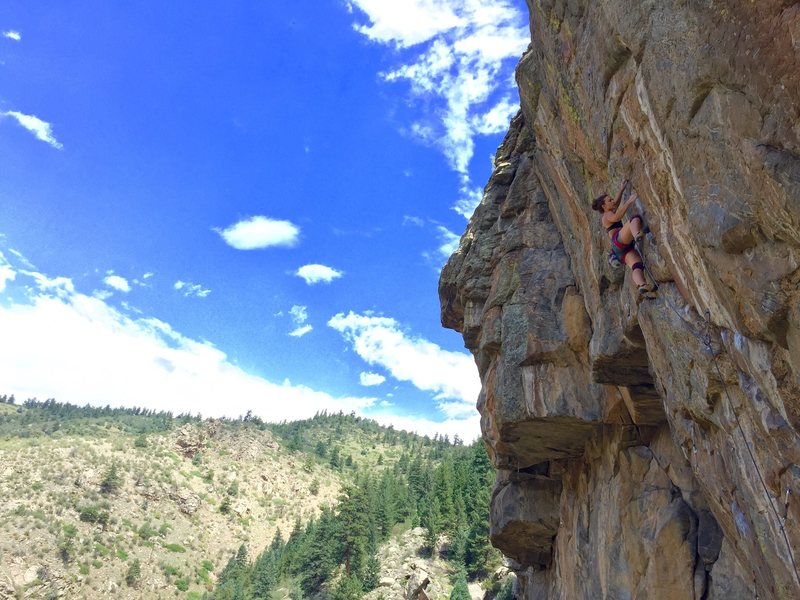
{"x":705,"y":339}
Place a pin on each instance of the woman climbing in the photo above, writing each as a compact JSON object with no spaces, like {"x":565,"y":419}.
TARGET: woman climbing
{"x":624,"y":236}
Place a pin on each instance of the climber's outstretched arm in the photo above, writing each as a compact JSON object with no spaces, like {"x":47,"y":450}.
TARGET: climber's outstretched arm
{"x":624,"y":206}
{"x":621,"y":191}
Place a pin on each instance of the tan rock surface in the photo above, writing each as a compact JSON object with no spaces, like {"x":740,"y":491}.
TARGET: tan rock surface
{"x":646,"y":450}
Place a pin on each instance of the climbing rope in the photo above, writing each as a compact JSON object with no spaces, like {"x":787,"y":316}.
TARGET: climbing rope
{"x":705,"y":339}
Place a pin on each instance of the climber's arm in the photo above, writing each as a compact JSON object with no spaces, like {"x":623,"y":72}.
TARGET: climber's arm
{"x":624,"y":206}
{"x":620,"y":192}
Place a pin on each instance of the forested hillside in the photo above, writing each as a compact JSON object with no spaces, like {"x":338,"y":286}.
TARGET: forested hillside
{"x":444,"y":489}
{"x":141,"y":504}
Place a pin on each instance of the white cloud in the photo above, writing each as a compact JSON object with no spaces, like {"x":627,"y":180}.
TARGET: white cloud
{"x":497,"y":119}
{"x":470,"y":198}
{"x":190,"y":289}
{"x":406,"y":23}
{"x":41,"y":129}
{"x":318,"y":274}
{"x":299,"y":313}
{"x":118,"y":283}
{"x":142,"y":282}
{"x":59,"y":286}
{"x":65,"y":345}
{"x":468,"y":428}
{"x":449,"y":242}
{"x":461,"y":53}
{"x":301,"y":331}
{"x":368,"y":379}
{"x":7,"y":272}
{"x":415,"y":221}
{"x":452,"y":376}
{"x":12,"y":35}
{"x":260,"y":232}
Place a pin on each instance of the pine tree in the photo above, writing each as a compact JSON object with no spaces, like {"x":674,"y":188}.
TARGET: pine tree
{"x":134,"y":574}
{"x":372,"y":574}
{"x":112,"y":480}
{"x":431,"y":520}
{"x":348,"y":588}
{"x":460,"y":588}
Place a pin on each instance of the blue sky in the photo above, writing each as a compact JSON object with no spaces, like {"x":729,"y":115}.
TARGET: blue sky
{"x":244,"y":206}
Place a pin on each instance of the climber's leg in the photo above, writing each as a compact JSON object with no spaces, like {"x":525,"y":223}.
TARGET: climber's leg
{"x":634,"y":261}
{"x":632,"y":230}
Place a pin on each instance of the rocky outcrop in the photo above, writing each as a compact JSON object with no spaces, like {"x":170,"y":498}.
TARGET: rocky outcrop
{"x":644,"y":449}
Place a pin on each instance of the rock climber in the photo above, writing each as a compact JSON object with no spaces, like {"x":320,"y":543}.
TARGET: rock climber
{"x":624,"y":236}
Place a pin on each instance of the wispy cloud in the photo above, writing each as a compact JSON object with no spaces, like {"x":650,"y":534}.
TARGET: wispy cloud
{"x":448,"y":240}
{"x":118,"y":283}
{"x":142,"y":282}
{"x":451,"y":376}
{"x":41,"y":129}
{"x":301,"y":331}
{"x":299,"y":315}
{"x":318,"y":274}
{"x":469,"y":200}
{"x":369,"y":379}
{"x":7,"y":272}
{"x":457,"y":56}
{"x":260,"y":232}
{"x":12,"y":35}
{"x":190,"y":289}
{"x":415,"y":221}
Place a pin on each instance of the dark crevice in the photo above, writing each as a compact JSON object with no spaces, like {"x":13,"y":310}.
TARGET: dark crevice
{"x":701,"y":93}
{"x":617,"y":61}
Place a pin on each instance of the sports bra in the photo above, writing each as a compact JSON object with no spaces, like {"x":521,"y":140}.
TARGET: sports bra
{"x":614,"y":225}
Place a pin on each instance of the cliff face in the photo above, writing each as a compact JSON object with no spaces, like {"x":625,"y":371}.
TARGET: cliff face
{"x":644,"y":449}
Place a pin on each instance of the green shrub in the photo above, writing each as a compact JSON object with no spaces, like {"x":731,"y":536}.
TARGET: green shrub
{"x":93,"y":514}
{"x":175,"y":548}
{"x":134,"y":574}
{"x":170,"y":570}
{"x":146,"y":531}
{"x":182,"y":585}
{"x":225,"y":507}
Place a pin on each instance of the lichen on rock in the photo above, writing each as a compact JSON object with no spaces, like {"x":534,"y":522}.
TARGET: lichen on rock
{"x":644,"y":449}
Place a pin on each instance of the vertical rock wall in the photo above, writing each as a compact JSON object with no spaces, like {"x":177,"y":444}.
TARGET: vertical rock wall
{"x":644,"y":449}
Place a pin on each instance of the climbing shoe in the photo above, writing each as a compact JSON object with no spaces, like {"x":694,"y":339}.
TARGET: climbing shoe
{"x":642,"y":232}
{"x":645,"y":291}
{"x":613,"y":260}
